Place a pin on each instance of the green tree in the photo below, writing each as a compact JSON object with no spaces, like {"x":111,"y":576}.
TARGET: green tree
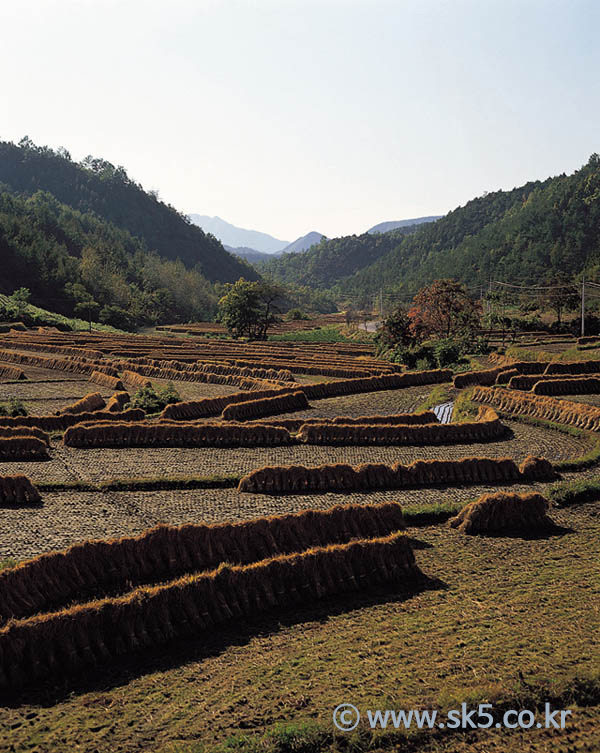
{"x":562,"y":296}
{"x":17,"y":302}
{"x":395,"y":330}
{"x":248,"y":309}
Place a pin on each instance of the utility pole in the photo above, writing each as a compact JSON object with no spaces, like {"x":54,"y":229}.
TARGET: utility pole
{"x":583,"y":306}
{"x":381,"y":303}
{"x":90,"y":316}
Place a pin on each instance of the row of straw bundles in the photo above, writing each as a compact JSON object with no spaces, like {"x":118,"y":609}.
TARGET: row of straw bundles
{"x":64,"y":420}
{"x":313,"y":361}
{"x":88,"y":404}
{"x":117,"y":402}
{"x":212,"y":406}
{"x":504,"y":377}
{"x":107,"y":380}
{"x":113,"y":434}
{"x":371,"y":384}
{"x":18,"y":490}
{"x":244,"y":383}
{"x":549,"y":408}
{"x":523,"y":367}
{"x":223,"y":369}
{"x":294,"y":424}
{"x":26,"y":343}
{"x":23,"y":448}
{"x":504,"y":513}
{"x":43,"y":646}
{"x":341,"y":477}
{"x":24,"y":431}
{"x":78,"y":366}
{"x":97,"y":568}
{"x":571,"y":386}
{"x":11,"y":372}
{"x":267,"y":406}
{"x":272,"y":375}
{"x":485,"y":428}
{"x":573,"y":367}
{"x":527,"y":381}
{"x":486,"y":377}
{"x":588,"y":339}
{"x":318,"y":368}
{"x":135,"y":379}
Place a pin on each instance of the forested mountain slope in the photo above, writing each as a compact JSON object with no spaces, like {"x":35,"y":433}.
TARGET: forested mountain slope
{"x":94,"y":185}
{"x":331,"y":260}
{"x":524,"y":235}
{"x":77,"y":263}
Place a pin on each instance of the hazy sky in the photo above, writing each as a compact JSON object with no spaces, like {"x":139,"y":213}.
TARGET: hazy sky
{"x":293,"y":115}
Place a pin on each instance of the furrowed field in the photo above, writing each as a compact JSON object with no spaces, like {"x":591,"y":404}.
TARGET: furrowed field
{"x":219,"y":574}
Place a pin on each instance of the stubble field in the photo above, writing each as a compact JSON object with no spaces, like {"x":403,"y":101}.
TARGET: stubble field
{"x":503,"y":619}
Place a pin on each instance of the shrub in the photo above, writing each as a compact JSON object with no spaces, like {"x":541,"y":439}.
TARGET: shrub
{"x":13,"y":407}
{"x":419,"y":357}
{"x":294,"y":315}
{"x":155,"y":399}
{"x":446,"y":353}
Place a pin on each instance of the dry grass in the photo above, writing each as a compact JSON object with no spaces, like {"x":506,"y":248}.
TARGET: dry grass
{"x":90,"y":402}
{"x":505,"y":513}
{"x":18,"y":490}
{"x":432,"y":650}
{"x":485,"y":428}
{"x":537,"y":406}
{"x":111,"y":566}
{"x":46,"y":646}
{"x":366,"y":476}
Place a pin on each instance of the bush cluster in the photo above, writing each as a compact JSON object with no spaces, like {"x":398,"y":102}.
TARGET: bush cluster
{"x":154,"y":399}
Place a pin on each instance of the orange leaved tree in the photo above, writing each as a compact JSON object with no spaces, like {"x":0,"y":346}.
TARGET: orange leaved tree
{"x":444,"y":309}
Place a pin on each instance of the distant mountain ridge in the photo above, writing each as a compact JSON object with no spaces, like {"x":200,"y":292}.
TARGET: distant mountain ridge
{"x":251,"y":255}
{"x":330,"y":260}
{"x":302,"y":244}
{"x":238,"y":237}
{"x":256,"y":246}
{"x":385,"y":227}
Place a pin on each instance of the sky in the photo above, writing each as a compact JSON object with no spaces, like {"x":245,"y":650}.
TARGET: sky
{"x":288,"y":116}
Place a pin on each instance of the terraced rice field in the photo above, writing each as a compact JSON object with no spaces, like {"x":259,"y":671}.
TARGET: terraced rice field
{"x":503,"y":619}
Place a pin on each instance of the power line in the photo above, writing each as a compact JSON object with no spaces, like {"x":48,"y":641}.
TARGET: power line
{"x":531,"y":287}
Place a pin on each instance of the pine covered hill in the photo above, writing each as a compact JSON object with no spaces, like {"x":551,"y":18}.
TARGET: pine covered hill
{"x":97,"y":186}
{"x":525,"y":235}
{"x":76,"y":263}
